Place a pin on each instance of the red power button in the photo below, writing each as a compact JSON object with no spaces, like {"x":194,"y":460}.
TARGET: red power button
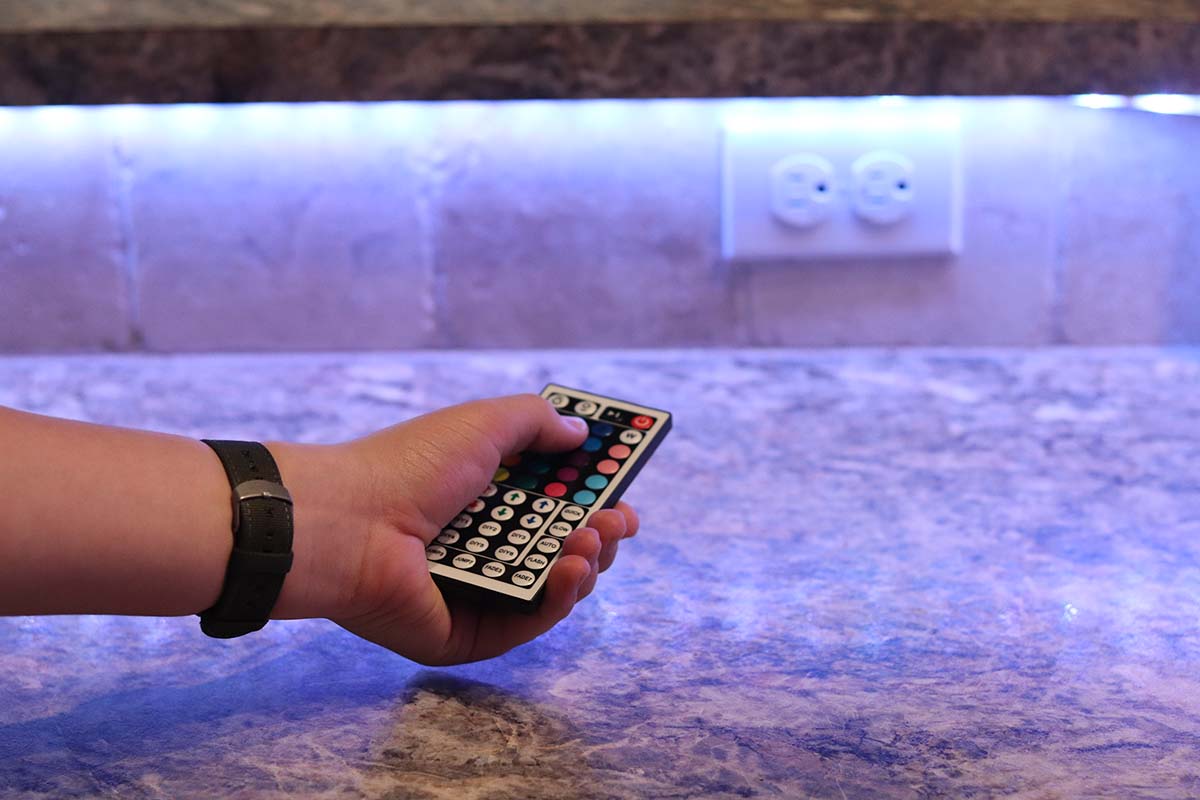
{"x":642,"y":422}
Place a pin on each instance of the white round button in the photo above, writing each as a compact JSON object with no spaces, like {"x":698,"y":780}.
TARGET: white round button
{"x":448,"y":536}
{"x":493,"y":570}
{"x":462,"y":521}
{"x":506,"y":553}
{"x":435,"y":552}
{"x":477,"y":544}
{"x":475,"y":506}
{"x":489,"y":528}
{"x":536,"y":561}
{"x":514,"y":497}
{"x":490,"y":490}
{"x":519,"y":537}
{"x":558,"y":400}
{"x":560,"y":529}
{"x":502,"y":512}
{"x":464,"y":561}
{"x":585,"y":407}
{"x":531,"y":521}
{"x":543,"y":505}
{"x":631,"y":436}
{"x":523,"y":578}
{"x":548,"y":545}
{"x":573,"y":513}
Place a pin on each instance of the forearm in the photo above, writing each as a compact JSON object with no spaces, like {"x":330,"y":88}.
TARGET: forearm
{"x":104,"y":520}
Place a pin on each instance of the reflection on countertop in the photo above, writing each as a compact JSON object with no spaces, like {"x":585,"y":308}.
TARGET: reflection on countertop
{"x":860,"y":574}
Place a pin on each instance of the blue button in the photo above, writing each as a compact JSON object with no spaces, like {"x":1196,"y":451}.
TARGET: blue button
{"x":596,"y":482}
{"x":601,"y":428}
{"x":584,"y":498}
{"x":591,"y":445}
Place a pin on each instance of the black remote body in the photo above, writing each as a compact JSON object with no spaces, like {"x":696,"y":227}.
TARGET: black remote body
{"x":499,"y":550}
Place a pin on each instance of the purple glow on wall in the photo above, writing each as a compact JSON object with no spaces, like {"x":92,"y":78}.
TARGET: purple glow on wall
{"x":565,"y":223}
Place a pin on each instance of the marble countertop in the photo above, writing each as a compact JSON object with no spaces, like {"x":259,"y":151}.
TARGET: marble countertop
{"x":68,"y":52}
{"x":861,"y":574}
{"x":141,"y":14}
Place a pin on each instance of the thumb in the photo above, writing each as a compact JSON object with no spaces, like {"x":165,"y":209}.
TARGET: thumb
{"x":522,"y":422}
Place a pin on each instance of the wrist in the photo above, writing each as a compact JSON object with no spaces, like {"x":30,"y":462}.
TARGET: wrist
{"x":328,"y":533}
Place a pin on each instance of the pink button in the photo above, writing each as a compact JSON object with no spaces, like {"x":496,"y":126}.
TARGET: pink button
{"x":555,"y":489}
{"x":607,"y":467}
{"x":567,"y":474}
{"x":619,"y":451}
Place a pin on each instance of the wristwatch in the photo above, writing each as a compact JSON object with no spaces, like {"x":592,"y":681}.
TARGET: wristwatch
{"x":262,"y":541}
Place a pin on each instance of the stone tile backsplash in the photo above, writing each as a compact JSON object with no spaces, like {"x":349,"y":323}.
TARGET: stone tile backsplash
{"x":571,"y":224}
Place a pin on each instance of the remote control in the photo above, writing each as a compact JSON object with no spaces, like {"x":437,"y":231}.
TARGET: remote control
{"x":501,"y":547}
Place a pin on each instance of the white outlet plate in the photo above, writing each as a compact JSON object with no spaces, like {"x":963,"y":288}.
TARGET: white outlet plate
{"x":930,"y":225}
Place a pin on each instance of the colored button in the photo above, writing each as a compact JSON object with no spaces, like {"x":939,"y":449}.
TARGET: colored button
{"x":631,"y":436}
{"x":548,"y":545}
{"x":536,"y":561}
{"x":475,"y":506}
{"x":601,"y":428}
{"x":448,"y":536}
{"x":555,"y":489}
{"x":511,"y":461}
{"x":501,"y":475}
{"x":607,"y":467}
{"x":489,"y":528}
{"x":642,"y":422}
{"x":559,"y":400}
{"x":538,"y":467}
{"x":506,"y":553}
{"x":492,"y":569}
{"x":477,"y":544}
{"x":585,"y":497}
{"x":619,"y":451}
{"x":531,"y":521}
{"x":579,"y":459}
{"x":519,"y":537}
{"x":502,"y":513}
{"x":543,"y":505}
{"x":573,"y":513}
{"x":514,"y":498}
{"x":490,"y":490}
{"x":591,"y":445}
{"x":596,"y":482}
{"x":435,"y":552}
{"x":462,"y":521}
{"x":464,"y":561}
{"x":585,"y":407}
{"x":560,"y":529}
{"x":525,"y":481}
{"x":567,"y":474}
{"x":523,"y":578}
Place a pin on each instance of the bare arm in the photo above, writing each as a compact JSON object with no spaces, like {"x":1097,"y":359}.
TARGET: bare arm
{"x":103,"y":520}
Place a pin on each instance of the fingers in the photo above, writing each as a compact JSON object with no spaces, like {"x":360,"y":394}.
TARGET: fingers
{"x":500,"y":632}
{"x":522,"y":422}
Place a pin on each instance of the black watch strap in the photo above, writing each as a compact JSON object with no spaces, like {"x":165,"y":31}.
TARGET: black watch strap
{"x":262,"y":541}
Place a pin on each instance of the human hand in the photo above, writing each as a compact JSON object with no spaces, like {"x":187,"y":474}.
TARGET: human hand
{"x":365,"y":511}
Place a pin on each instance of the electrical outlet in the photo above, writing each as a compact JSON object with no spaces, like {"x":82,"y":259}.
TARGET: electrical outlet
{"x":884,"y":187}
{"x":863,"y":183}
{"x":802,"y":190}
